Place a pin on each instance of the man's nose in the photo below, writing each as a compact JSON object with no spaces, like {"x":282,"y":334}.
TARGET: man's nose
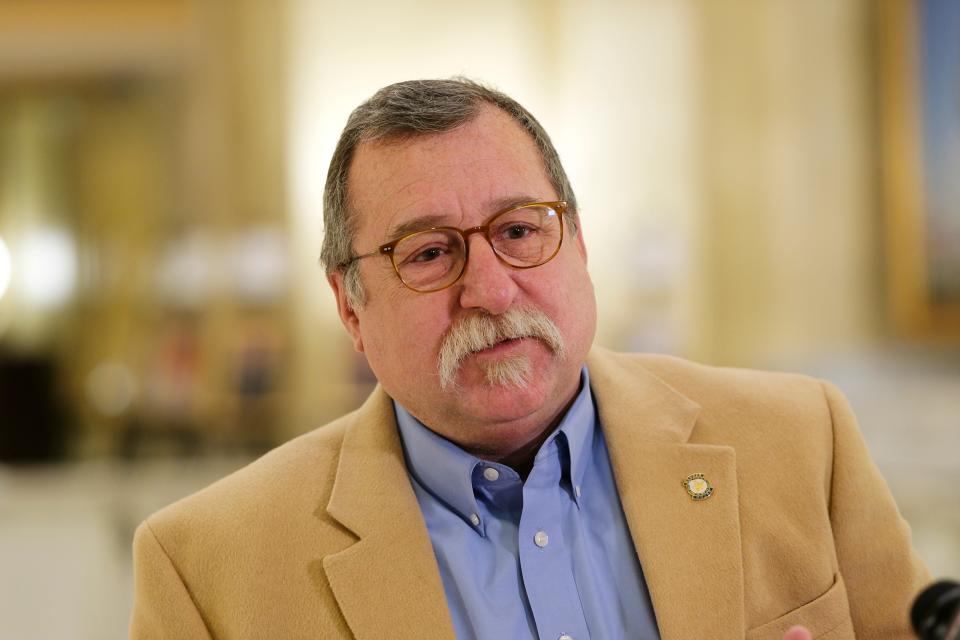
{"x":487,"y":283}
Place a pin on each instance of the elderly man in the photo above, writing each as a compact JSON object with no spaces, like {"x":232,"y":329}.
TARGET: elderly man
{"x":505,"y":480}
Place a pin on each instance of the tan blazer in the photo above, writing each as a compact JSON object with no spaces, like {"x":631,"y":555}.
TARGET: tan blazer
{"x":323,"y":537}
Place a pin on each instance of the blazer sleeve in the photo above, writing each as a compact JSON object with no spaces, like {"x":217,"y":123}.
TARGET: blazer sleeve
{"x":162,"y":606}
{"x":879,"y":565}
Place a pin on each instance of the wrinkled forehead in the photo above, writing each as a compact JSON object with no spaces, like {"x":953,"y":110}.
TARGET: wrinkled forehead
{"x":470,"y":172}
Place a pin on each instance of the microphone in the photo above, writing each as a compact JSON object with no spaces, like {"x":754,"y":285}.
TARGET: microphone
{"x":935,"y":614}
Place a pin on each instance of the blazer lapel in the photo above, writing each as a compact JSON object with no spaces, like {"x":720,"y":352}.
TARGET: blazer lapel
{"x":387,"y":584}
{"x":689,"y":549}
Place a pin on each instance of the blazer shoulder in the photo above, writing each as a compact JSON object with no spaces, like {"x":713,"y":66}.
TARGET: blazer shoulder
{"x":301,"y":470}
{"x":700,"y":381}
{"x":734,"y":401}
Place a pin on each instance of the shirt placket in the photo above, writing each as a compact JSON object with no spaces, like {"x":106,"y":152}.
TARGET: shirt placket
{"x":546,"y":563}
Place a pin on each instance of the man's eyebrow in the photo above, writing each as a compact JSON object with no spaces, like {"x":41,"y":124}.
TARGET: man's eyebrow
{"x":502,"y":204}
{"x":425,"y":222}
{"x":416,"y":224}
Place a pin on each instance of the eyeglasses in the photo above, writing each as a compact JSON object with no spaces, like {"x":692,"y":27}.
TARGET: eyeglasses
{"x":523,"y":237}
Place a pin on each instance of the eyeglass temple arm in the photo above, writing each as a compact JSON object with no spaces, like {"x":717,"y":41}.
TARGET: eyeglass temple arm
{"x":384,"y":250}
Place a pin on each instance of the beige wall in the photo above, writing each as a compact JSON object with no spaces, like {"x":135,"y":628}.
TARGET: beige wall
{"x":790,"y":218}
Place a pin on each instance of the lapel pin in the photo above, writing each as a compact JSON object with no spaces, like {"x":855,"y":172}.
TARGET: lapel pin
{"x":697,"y":486}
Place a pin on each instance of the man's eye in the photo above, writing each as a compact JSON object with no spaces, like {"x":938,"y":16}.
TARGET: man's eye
{"x":518,"y":231}
{"x":427,"y":255}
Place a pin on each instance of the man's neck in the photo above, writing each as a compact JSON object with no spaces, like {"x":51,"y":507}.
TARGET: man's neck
{"x":521,"y":459}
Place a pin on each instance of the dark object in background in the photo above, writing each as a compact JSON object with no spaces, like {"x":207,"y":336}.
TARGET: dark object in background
{"x":936,"y":612}
{"x":32,"y":420}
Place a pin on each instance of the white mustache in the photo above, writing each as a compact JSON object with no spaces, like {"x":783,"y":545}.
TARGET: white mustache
{"x":479,"y":331}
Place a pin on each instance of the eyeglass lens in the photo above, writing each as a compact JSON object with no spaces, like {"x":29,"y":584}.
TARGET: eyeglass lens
{"x":433,"y":259}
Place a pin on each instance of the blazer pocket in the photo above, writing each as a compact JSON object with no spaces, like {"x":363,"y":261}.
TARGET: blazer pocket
{"x":827,"y":617}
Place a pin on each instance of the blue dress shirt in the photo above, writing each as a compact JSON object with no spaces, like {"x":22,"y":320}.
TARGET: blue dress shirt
{"x":548,"y":558}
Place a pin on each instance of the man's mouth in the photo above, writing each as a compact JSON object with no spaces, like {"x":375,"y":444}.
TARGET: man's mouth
{"x":503,"y":345}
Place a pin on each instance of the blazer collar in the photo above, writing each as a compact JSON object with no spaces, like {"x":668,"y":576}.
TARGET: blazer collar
{"x":689,"y":550}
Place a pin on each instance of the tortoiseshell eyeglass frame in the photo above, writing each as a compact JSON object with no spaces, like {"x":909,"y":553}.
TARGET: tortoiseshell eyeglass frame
{"x":559,"y":207}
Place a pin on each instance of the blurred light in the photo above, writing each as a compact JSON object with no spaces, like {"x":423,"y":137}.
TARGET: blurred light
{"x":258,"y":264}
{"x":111,"y":388}
{"x":47,"y":270}
{"x":185,"y":274}
{"x":5,"y":267}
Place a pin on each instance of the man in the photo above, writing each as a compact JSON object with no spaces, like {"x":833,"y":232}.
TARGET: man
{"x":504,"y":480}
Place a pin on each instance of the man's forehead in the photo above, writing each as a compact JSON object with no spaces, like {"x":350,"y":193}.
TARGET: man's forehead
{"x":486,"y":165}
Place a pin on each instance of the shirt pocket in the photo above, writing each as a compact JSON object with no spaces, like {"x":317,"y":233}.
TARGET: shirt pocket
{"x":827,"y":617}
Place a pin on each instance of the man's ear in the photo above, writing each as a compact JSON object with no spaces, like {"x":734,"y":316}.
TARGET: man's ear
{"x":347,"y":315}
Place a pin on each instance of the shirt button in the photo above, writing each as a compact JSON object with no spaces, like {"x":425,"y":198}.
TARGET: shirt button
{"x":541,"y":539}
{"x":491,"y":474}
{"x":475,"y":519}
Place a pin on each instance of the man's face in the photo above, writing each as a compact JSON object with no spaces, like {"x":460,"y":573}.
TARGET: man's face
{"x":460,"y":178}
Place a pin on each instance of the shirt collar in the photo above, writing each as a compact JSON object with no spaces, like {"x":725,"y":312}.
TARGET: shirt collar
{"x":447,"y":471}
{"x":441,"y":467}
{"x":578,"y":426}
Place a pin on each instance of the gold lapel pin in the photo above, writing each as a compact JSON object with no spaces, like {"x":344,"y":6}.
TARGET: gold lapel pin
{"x":697,"y":486}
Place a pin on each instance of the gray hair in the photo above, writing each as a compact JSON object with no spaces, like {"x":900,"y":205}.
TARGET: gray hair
{"x":406,"y":110}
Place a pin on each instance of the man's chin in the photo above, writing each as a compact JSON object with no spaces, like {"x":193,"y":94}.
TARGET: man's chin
{"x":512,"y":372}
{"x":508,"y":366}
{"x":497,"y":402}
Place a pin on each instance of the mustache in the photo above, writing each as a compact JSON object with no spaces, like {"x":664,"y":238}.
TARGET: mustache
{"x":479,"y":331}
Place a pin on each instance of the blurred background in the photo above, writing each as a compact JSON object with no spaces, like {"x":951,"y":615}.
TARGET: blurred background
{"x":763,"y":183}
